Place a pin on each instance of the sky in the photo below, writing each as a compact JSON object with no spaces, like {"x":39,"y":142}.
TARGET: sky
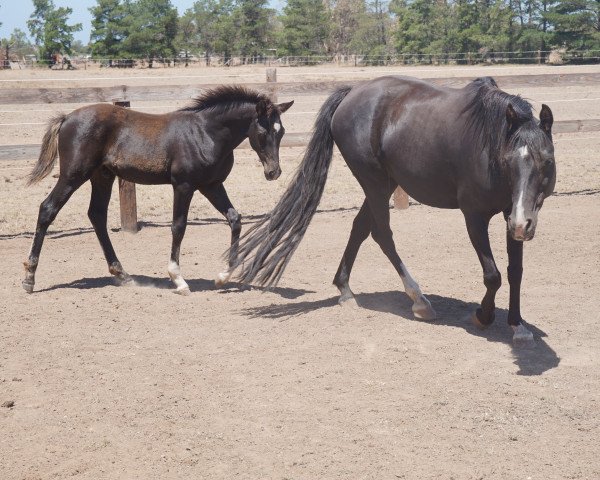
{"x":15,"y":13}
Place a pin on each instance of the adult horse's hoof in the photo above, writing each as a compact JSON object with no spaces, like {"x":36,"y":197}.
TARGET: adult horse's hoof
{"x":422,"y":310}
{"x":522,"y":336}
{"x":184,"y":291}
{"x":478,"y":323}
{"x":27,"y":286}
{"x":222,"y":279}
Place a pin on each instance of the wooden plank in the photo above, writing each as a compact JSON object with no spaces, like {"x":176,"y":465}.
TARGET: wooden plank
{"x":400,"y":199}
{"x":297,"y":139}
{"x":128,"y":206}
{"x":127,"y":196}
{"x":9,"y":96}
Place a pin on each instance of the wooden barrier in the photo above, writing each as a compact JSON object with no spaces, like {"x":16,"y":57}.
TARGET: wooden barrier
{"x":127,"y":197}
{"x":12,"y":96}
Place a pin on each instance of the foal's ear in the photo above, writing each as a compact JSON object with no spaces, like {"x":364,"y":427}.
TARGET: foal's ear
{"x":261,"y":108}
{"x":283,"y":107}
{"x":546,"y":119}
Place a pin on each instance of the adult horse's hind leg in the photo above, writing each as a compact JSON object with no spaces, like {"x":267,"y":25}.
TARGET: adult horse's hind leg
{"x":49,"y":208}
{"x":378,"y":198}
{"x":361,"y":228}
{"x":102,"y":182}
{"x":182,"y":197}
{"x":374,"y":218}
{"x":217,"y":196}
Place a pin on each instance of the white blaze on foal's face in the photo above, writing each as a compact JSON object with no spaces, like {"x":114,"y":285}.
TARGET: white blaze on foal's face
{"x":277,"y":126}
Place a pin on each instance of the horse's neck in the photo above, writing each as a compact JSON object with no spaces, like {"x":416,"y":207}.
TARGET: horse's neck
{"x":237,"y":122}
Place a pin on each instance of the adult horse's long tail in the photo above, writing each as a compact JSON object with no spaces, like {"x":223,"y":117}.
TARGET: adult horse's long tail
{"x":49,"y":151}
{"x":266,"y":248}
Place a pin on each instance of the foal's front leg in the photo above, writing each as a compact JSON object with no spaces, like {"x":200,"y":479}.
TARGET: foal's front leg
{"x":182,"y":197}
{"x":217,"y":196}
{"x":477,"y":226}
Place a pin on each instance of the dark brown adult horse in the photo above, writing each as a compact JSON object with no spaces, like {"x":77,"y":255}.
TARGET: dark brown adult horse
{"x":192,"y":149}
{"x":476,"y":148}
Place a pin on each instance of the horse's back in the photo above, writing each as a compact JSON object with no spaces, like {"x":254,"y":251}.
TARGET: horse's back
{"x":133,"y":145}
{"x":406,"y":127}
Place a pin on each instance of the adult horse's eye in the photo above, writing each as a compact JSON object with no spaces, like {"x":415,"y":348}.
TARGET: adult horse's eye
{"x":548,"y":163}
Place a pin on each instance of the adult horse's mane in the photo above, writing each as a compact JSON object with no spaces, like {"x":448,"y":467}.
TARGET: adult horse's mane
{"x":487,"y":123}
{"x":227,"y":97}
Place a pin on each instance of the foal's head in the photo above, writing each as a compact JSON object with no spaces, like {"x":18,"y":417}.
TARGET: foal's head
{"x":529,"y":159}
{"x":265,"y":133}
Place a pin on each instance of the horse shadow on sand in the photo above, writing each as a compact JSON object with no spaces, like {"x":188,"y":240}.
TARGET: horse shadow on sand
{"x":533,"y":359}
{"x":195,"y":284}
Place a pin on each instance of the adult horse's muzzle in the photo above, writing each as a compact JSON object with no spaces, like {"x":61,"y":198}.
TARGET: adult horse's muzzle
{"x":521,"y":226}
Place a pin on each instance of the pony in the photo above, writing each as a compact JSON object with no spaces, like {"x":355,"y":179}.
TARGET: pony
{"x":191,"y":149}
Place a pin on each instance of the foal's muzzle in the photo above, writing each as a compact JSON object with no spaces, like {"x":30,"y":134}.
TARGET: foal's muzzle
{"x":273,"y":174}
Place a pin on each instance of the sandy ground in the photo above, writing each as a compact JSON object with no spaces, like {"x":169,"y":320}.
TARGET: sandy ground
{"x":112,"y":382}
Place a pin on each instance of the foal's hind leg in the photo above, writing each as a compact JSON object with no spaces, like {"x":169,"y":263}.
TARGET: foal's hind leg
{"x":183,"y":194}
{"x":102,"y":183}
{"x":49,"y":208}
{"x":378,"y":198}
{"x":217,"y":196}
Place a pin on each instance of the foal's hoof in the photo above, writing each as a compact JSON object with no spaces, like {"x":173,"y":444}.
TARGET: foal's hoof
{"x":184,"y":291}
{"x":222,"y":279}
{"x":125,"y":281}
{"x":27,"y":286}
{"x":423,"y":310}
{"x":521,"y":336}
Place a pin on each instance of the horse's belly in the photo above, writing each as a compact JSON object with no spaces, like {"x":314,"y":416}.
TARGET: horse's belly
{"x":435,"y":194}
{"x":148,"y":170}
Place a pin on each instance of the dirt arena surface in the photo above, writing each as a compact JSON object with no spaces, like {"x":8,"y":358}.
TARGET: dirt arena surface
{"x":136,"y":382}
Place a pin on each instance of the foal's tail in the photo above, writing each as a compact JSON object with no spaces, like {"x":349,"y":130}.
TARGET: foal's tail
{"x":266,"y":248}
{"x":49,"y":151}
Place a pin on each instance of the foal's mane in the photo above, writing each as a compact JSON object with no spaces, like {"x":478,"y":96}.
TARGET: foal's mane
{"x":486,"y":122}
{"x":227,"y":97}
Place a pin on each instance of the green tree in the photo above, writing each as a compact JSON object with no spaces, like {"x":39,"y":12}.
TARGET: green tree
{"x":576,"y":24}
{"x":252,"y":22}
{"x":305,"y":27}
{"x":49,"y":28}
{"x":150,"y":28}
{"x":107,"y":28}
{"x":188,"y":38}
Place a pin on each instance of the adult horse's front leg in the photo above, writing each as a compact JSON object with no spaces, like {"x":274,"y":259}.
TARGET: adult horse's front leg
{"x":182,"y":197}
{"x":514,"y":249}
{"x":477,"y":226}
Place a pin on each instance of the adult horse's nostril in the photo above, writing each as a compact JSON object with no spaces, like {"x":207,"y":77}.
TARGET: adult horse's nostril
{"x":528,"y":225}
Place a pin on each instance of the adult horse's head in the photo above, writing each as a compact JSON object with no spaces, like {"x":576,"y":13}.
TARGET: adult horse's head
{"x":265,"y":133}
{"x":529,"y":157}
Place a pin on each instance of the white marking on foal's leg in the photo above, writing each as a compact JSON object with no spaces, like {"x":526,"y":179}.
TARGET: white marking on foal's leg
{"x":180,"y":283}
{"x":222,"y":278}
{"x":421,"y":308}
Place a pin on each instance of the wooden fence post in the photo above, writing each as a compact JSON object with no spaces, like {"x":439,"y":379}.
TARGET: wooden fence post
{"x":400,"y":199}
{"x":272,"y":78}
{"x":127,"y":197}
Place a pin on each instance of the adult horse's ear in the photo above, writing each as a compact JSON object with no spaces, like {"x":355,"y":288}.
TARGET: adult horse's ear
{"x":283,"y":107}
{"x":546,"y":119}
{"x":512,"y":119}
{"x":261,"y":108}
